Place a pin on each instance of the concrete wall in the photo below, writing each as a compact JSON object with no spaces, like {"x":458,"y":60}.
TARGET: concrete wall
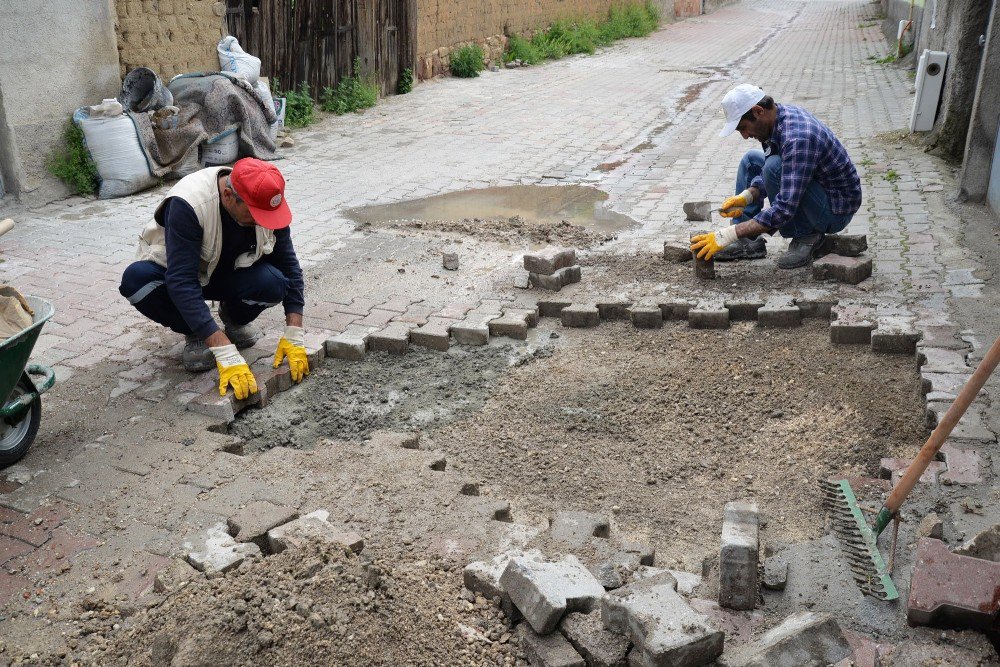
{"x":56,"y":56}
{"x":169,"y":36}
{"x":985,"y":118}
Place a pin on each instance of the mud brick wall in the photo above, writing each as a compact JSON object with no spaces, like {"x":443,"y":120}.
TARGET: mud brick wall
{"x":169,"y":36}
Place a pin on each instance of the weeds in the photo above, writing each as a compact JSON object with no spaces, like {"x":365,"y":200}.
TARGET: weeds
{"x":891,"y":176}
{"x":563,"y":38}
{"x":72,"y":164}
{"x":467,"y":61}
{"x":891,"y":58}
{"x":405,"y":84}
{"x":352,"y":93}
{"x":299,"y":110}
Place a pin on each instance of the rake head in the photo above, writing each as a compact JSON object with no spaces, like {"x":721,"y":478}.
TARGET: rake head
{"x":857,"y":540}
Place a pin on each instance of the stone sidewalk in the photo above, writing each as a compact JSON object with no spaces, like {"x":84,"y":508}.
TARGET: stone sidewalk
{"x":638,"y":120}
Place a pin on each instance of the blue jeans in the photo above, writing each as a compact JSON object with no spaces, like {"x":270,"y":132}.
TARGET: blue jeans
{"x":814,"y":213}
{"x":246,"y":293}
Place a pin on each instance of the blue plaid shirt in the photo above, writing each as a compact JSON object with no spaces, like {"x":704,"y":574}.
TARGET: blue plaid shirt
{"x":809,"y":151}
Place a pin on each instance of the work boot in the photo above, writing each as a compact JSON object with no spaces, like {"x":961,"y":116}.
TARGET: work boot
{"x":743,"y":249}
{"x":240,"y":335}
{"x":802,"y":251}
{"x":197,"y":357}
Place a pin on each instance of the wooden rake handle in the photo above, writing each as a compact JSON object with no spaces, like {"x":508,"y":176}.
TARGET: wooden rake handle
{"x":938,"y":437}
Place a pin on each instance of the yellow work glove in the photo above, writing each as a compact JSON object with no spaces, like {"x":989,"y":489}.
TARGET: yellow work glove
{"x":706,"y":245}
{"x":733,"y":207}
{"x":234,"y":372}
{"x":293,"y":346}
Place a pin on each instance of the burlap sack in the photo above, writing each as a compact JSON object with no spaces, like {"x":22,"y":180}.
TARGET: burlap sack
{"x":15,"y":314}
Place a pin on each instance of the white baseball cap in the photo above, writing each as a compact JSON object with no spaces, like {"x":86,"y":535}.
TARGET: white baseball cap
{"x":737,"y":102}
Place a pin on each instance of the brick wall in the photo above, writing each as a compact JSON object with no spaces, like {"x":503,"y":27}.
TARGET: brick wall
{"x":169,"y":36}
{"x":443,"y":25}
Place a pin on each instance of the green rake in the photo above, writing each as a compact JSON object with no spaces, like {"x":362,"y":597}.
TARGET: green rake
{"x":857,"y":538}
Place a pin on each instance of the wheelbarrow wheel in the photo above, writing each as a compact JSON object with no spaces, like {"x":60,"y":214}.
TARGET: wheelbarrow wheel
{"x":15,"y":439}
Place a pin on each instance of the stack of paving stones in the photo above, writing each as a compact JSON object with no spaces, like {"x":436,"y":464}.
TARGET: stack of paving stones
{"x":845,"y":261}
{"x":550,"y":269}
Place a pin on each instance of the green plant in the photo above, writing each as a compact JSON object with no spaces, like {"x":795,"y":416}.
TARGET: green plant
{"x":867,"y":162}
{"x":299,"y":110}
{"x":71,"y":162}
{"x":467,"y":61}
{"x":405,"y":84}
{"x":891,"y":58}
{"x":352,"y":93}
{"x":891,"y":176}
{"x":518,"y":48}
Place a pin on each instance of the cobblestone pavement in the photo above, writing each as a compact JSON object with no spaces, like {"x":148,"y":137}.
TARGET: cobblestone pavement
{"x":638,"y":120}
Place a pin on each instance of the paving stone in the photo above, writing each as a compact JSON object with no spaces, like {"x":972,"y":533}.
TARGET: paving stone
{"x":558,"y":280}
{"x":985,"y":545}
{"x":698,"y":211}
{"x":893,"y":469}
{"x":449,"y":261}
{"x":961,"y":463}
{"x":637,"y":552}
{"x":946,"y":386}
{"x":951,"y":588}
{"x":254,"y":520}
{"x":522,"y":281}
{"x":931,"y":526}
{"x":226,"y":407}
{"x":709,"y":315}
{"x":676,"y":309}
{"x":849,"y":270}
{"x":513,"y":324}
{"x":346,"y":346}
{"x":580,"y":316}
{"x":312,"y":526}
{"x":576,"y":528}
{"x":216,"y":551}
{"x":779,"y":311}
{"x":677,"y":252}
{"x":743,"y":310}
{"x":551,"y":308}
{"x":436,"y":334}
{"x":847,"y":245}
{"x":940,"y":360}
{"x":775,"y":573}
{"x":483,"y":577}
{"x":547,"y":261}
{"x":551,"y":650}
{"x":852,"y":324}
{"x":738,"y":626}
{"x":895,"y":335}
{"x":599,"y":647}
{"x":816,"y":303}
{"x":661,"y":624}
{"x":472,"y":331}
{"x":687,"y":582}
{"x":607,"y":573}
{"x":394,"y":338}
{"x":646,"y":316}
{"x":544,"y":591}
{"x":613,"y":310}
{"x":739,"y":556}
{"x":805,"y":638}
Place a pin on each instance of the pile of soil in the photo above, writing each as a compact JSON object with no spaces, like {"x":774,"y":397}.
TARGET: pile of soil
{"x":319,"y":606}
{"x":507,"y":231}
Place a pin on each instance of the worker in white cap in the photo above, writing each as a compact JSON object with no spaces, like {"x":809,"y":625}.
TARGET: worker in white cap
{"x":802,"y":170}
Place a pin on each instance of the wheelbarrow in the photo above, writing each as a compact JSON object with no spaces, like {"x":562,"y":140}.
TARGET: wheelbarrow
{"x":21,"y":410}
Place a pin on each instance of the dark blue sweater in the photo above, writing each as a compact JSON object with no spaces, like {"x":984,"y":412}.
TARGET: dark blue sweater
{"x":183,"y":238}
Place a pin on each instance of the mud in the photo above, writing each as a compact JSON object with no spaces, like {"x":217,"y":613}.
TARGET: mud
{"x":511,"y":232}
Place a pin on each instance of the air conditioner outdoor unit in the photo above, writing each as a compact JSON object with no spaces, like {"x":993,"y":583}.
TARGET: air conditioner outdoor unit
{"x":930,"y":78}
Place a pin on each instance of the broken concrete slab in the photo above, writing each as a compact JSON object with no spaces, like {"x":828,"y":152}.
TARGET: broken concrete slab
{"x":848,"y":270}
{"x":312,"y":526}
{"x":258,"y":517}
{"x":775,"y":573}
{"x":698,"y":211}
{"x":580,"y":316}
{"x":802,"y":639}
{"x":607,"y":573}
{"x":545,"y":591}
{"x":552,"y":650}
{"x":951,"y":588}
{"x":575,"y":529}
{"x":687,"y":582}
{"x":985,"y":545}
{"x":547,"y":261}
{"x":483,"y":577}
{"x":598,"y":646}
{"x":216,"y":551}
{"x":739,"y":556}
{"x":661,"y":624}
{"x":932,"y":526}
{"x":738,"y":626}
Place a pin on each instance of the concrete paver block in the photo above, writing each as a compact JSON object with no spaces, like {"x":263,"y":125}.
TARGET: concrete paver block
{"x":449,"y":261}
{"x":226,"y":407}
{"x":775,"y":573}
{"x":472,"y":330}
{"x":661,"y":624}
{"x":551,"y":650}
{"x":893,"y":469}
{"x":738,"y":626}
{"x":971,"y":427}
{"x":895,"y":335}
{"x":258,"y":517}
{"x":852,"y":324}
{"x":677,"y":252}
{"x":580,"y":316}
{"x":805,"y":638}
{"x":698,"y":211}
{"x":676,"y":309}
{"x":394,"y":338}
{"x":952,"y":588}
{"x":849,"y":270}
{"x":558,"y":280}
{"x":528,"y":315}
{"x":709,"y":315}
{"x":599,"y":647}
{"x":436,"y":334}
{"x":961,"y":464}
{"x":312,"y":526}
{"x":548,"y":308}
{"x":940,"y":360}
{"x":216,"y":551}
{"x":646,"y":316}
{"x":739,"y":556}
{"x":544,"y":591}
{"x":549,"y":260}
{"x":509,"y":327}
{"x":847,"y":245}
{"x":743,"y":310}
{"x":483,"y":577}
{"x":779,"y":311}
{"x":613,"y":309}
{"x":816,"y":303}
{"x":575,"y":529}
{"x":348,"y":347}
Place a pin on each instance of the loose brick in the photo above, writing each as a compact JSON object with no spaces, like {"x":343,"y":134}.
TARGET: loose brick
{"x":848,"y":245}
{"x":775,"y":573}
{"x":805,"y":638}
{"x":779,"y":312}
{"x":676,"y":309}
{"x":709,"y":315}
{"x":348,"y":347}
{"x":661,"y":624}
{"x":575,"y":529}
{"x":312,"y":526}
{"x":676,"y":252}
{"x":483,"y":577}
{"x":646,"y":316}
{"x":895,"y":335}
{"x":254,"y":520}
{"x":551,"y":308}
{"x":474,"y":330}
{"x":544,"y":592}
{"x":580,"y":316}
{"x":551,"y":650}
{"x":510,"y":327}
{"x":394,"y":338}
{"x":739,"y":556}
{"x":613,"y":310}
{"x":449,"y":261}
{"x":225,"y":407}
{"x":436,"y":334}
{"x":816,"y":303}
{"x":743,"y":310}
{"x":217,"y":551}
{"x":549,"y":260}
{"x":698,"y":211}
{"x":852,"y":324}
{"x":558,"y":280}
{"x":951,"y":588}
{"x":849,"y":270}
{"x":529,"y":315}
{"x":599,"y":647}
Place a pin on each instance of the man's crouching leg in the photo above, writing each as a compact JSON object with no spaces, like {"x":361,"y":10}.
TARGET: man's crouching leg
{"x":249,"y":293}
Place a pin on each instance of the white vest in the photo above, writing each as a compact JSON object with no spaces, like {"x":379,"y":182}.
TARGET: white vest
{"x":201,"y":192}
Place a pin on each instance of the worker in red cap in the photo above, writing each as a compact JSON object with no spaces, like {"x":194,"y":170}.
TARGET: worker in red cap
{"x":222,"y":234}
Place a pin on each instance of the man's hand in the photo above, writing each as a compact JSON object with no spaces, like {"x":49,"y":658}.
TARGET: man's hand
{"x":293,"y":346}
{"x":706,"y":245}
{"x":733,"y":207}
{"x":233,"y":371}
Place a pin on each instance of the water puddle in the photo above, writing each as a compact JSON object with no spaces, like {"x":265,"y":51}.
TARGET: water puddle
{"x":535,"y":204}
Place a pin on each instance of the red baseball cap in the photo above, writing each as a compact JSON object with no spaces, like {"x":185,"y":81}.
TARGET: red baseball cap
{"x":262,"y":187}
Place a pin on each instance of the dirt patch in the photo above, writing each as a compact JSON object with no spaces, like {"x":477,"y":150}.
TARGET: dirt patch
{"x":506,"y":231}
{"x":315,"y":606}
